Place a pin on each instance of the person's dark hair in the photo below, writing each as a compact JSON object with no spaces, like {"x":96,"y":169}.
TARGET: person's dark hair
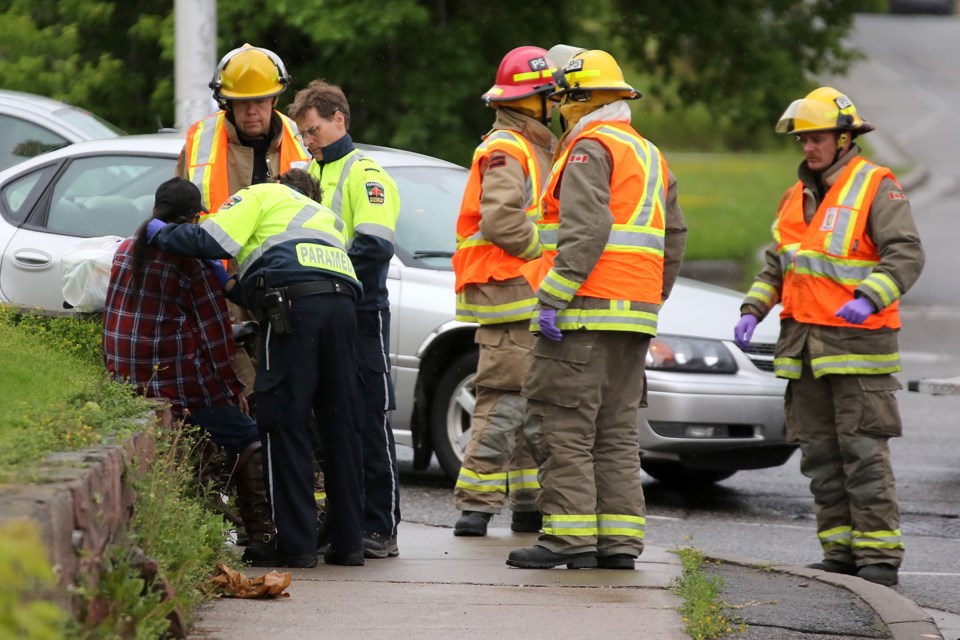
{"x":326,"y":98}
{"x":139,"y":251}
{"x":302,"y":182}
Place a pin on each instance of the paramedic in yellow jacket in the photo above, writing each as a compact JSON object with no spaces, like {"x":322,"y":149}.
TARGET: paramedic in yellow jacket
{"x":612,"y":236}
{"x":845,"y":250}
{"x":496,"y":233}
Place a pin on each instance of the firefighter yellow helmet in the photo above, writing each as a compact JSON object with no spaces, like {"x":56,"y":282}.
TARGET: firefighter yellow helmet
{"x":592,"y":70}
{"x":823,"y":109}
{"x":249,"y":73}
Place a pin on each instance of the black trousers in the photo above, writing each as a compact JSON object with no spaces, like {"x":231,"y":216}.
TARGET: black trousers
{"x":312,"y":369}
{"x":380,"y":478}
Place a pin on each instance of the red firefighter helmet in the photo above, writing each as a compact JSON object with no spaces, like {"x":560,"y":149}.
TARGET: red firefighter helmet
{"x":523,"y":72}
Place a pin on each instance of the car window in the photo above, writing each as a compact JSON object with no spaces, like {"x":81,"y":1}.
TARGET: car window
{"x":95,"y":127}
{"x":429,"y":205}
{"x":105,"y":195}
{"x":20,"y":140}
{"x":19,"y":195}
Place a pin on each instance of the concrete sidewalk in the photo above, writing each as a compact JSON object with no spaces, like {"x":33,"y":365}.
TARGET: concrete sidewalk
{"x":447,"y":587}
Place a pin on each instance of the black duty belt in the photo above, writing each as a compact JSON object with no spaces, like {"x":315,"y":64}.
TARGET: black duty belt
{"x":317,"y":287}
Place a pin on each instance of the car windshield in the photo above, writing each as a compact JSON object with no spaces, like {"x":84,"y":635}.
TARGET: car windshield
{"x":429,"y":205}
{"x":94,"y":126}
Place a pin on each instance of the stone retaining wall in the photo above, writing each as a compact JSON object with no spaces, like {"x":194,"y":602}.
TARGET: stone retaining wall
{"x":82,"y":503}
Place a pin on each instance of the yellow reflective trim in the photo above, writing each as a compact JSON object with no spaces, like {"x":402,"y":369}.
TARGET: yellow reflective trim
{"x":617,"y":531}
{"x":576,"y":76}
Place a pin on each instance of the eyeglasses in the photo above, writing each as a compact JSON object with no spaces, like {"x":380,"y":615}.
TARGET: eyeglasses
{"x":309,"y":132}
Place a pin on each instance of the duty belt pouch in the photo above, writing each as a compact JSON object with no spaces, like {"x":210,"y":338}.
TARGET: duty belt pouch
{"x":276,"y":308}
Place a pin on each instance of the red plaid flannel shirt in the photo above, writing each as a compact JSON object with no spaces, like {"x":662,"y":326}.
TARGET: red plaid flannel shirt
{"x":171,"y":335}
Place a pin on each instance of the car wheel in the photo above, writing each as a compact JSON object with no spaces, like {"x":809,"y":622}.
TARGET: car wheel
{"x":674,"y":473}
{"x":451,"y":412}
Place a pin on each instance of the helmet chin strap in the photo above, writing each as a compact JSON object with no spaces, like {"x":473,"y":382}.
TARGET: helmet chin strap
{"x":544,"y":112}
{"x":841,"y":143}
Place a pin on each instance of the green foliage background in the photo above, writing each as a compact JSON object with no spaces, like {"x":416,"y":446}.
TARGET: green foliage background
{"x":414,"y":69}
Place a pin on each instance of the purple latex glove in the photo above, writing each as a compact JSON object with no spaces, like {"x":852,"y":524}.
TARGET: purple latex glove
{"x":548,"y":324}
{"x":743,"y":332}
{"x":218,"y":270}
{"x":153,"y":228}
{"x":856,"y":311}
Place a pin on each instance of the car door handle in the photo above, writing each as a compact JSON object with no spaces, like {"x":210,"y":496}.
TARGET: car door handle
{"x":32,"y":259}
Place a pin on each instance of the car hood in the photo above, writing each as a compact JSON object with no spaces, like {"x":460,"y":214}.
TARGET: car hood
{"x":707,"y":311}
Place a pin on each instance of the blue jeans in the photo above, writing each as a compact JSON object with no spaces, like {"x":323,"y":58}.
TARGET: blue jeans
{"x":228,"y":427}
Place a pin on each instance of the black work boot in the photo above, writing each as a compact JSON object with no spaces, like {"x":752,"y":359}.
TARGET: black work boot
{"x":834,"y":566}
{"x":623,"y":561}
{"x":526,"y":521}
{"x":543,"y":558}
{"x":472,"y":523}
{"x":253,"y":506}
{"x":352,"y":559}
{"x":883,"y":573}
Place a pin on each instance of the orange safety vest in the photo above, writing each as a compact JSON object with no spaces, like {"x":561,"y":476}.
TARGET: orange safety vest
{"x":476,"y":259}
{"x":631,"y":265}
{"x":823,"y":262}
{"x":206,"y":155}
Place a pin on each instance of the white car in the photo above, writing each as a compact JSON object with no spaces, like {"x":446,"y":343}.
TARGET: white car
{"x":32,"y":124}
{"x":714,"y":409}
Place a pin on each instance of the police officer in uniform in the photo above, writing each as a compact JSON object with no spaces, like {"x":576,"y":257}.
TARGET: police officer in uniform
{"x":357,"y":189}
{"x":613,"y":238}
{"x":294,"y":269}
{"x":846,"y":249}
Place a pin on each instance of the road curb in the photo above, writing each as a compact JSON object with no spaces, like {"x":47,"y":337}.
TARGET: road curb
{"x":905,"y":619}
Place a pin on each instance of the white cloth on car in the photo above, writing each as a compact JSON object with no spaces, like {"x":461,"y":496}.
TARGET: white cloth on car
{"x":86,"y":272}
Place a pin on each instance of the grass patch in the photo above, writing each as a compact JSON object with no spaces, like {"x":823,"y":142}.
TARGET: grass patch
{"x":705,"y":616}
{"x":730,"y":199}
{"x":54,"y":393}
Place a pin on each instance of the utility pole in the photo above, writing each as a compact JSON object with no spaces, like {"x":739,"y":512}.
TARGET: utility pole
{"x":195,"y":59}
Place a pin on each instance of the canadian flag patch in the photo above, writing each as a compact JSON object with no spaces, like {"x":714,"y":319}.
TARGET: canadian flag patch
{"x":896,"y":195}
{"x":578,"y":158}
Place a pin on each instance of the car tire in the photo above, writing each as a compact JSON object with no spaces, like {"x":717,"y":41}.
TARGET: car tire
{"x":674,"y":473}
{"x":451,"y":412}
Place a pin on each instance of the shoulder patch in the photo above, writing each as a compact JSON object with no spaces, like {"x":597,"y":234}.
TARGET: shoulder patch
{"x":578,"y":158}
{"x":497,"y":160}
{"x":896,"y":195}
{"x":232,"y":200}
{"x":375,"y":193}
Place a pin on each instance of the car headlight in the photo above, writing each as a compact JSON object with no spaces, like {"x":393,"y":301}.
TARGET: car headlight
{"x":689,"y":355}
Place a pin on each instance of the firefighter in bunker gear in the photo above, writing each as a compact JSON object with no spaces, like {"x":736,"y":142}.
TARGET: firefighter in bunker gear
{"x":293,"y":266}
{"x":365,"y":197}
{"x":496,"y":233}
{"x":845,"y":250}
{"x":612,"y":236}
{"x":246,"y":142}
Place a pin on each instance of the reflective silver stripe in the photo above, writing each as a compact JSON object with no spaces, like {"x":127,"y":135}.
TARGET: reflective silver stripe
{"x":789,"y":368}
{"x":607,"y":319}
{"x":577,"y":525}
{"x":635,"y":238}
{"x":621,"y":525}
{"x":884,"y":286}
{"x":303,"y":234}
{"x":845,"y":210}
{"x":306,"y":213}
{"x":373,"y":229}
{"x":337,"y":202}
{"x":216,"y":232}
{"x":819,"y":265}
{"x":494,"y":314}
{"x":548,"y":237}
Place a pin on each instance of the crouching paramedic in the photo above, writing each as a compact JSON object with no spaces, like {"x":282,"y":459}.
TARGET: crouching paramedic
{"x":294,"y":270}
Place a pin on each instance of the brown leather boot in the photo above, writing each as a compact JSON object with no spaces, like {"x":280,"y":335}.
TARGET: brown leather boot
{"x":253,"y":505}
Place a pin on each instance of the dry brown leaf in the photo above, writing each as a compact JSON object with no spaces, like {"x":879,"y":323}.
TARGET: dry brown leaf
{"x":233,"y":584}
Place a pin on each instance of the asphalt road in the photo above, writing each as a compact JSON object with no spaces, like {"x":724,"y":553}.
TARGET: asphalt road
{"x":909,"y":87}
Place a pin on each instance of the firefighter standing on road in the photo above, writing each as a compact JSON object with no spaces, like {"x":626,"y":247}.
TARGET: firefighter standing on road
{"x":294,"y":269}
{"x":845,"y":250}
{"x":613,"y":239}
{"x":358,"y":190}
{"x":496,"y":233}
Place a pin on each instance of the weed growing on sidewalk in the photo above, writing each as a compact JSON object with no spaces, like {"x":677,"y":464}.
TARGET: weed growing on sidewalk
{"x":705,"y":616}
